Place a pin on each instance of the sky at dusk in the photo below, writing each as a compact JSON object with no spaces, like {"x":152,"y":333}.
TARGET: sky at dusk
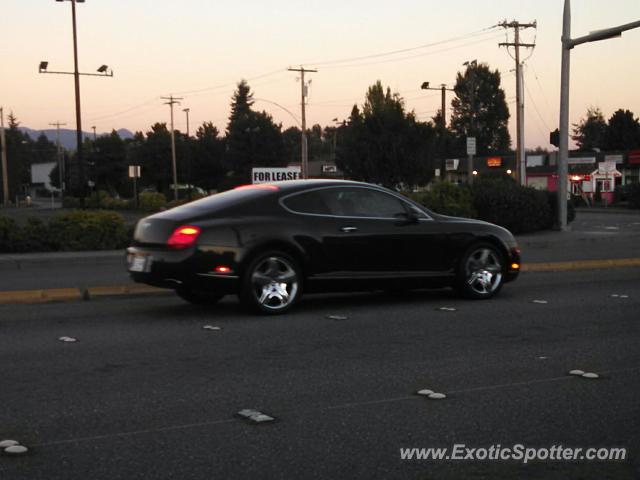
{"x":199,"y":50}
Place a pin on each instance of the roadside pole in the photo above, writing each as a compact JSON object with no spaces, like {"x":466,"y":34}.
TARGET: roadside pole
{"x":5,"y":174}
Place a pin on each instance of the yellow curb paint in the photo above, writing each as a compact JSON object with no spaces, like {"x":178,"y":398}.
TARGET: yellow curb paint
{"x":40,"y":296}
{"x":134,"y":289}
{"x":580,"y":265}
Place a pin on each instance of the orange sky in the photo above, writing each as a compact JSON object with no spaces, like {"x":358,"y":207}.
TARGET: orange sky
{"x":199,"y":49}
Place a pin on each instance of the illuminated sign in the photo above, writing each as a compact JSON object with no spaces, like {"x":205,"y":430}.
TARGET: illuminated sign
{"x":494,"y":162}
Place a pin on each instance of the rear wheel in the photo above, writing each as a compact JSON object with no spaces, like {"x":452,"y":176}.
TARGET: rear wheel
{"x":272,"y":283}
{"x":198,"y":297}
{"x":481,"y":272}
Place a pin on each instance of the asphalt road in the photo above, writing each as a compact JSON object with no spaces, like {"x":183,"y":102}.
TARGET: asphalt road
{"x":147,"y":393}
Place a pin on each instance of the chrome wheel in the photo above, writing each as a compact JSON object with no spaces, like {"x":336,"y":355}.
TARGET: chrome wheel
{"x":483,"y":271}
{"x":274,"y":283}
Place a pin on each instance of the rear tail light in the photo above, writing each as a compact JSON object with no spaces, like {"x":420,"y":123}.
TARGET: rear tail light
{"x":183,"y":237}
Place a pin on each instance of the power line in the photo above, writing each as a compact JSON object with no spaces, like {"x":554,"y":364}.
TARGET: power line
{"x":403,"y":50}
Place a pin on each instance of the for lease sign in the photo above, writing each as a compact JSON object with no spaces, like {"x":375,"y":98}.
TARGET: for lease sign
{"x":266,"y":175}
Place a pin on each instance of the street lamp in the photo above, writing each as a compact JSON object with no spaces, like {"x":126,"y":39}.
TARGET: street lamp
{"x":567,"y":44}
{"x":103,"y":71}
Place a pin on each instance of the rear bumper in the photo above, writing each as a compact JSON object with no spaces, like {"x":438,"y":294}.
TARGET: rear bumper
{"x":188,"y":268}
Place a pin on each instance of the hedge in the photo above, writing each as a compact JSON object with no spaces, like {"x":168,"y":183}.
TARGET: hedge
{"x":66,"y":231}
{"x":498,"y":200}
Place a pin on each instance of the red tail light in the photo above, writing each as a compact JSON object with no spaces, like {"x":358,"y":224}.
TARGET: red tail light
{"x":183,"y":237}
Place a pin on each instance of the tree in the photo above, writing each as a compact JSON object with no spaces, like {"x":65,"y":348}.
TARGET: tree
{"x":19,"y":155}
{"x":207,"y":167}
{"x":589,"y":133}
{"x":107,"y":162}
{"x":253,"y":139}
{"x":622,"y":132}
{"x":480,"y":110}
{"x":384,"y":144}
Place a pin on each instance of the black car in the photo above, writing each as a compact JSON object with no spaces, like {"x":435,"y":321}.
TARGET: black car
{"x":270,"y":242}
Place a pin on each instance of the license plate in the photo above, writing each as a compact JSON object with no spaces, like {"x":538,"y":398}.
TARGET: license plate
{"x":139,"y":263}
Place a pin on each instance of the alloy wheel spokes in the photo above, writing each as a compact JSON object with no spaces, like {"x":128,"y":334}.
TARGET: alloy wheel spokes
{"x":275,"y":282}
{"x":484,"y":272}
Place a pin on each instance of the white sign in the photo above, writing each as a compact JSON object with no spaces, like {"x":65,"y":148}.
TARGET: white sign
{"x":266,"y":175}
{"x":535,"y":160}
{"x":134,"y":171}
{"x":614,"y":158}
{"x":606,"y":167}
{"x":437,"y":172}
{"x":452,"y":164}
{"x":581,"y":160}
{"x":328,"y":168}
{"x":471,"y":145}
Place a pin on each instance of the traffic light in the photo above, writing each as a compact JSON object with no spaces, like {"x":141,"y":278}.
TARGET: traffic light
{"x":554,"y":138}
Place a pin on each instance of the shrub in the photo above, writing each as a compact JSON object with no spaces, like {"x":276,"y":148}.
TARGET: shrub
{"x":83,"y":230}
{"x":151,"y":201}
{"x":504,"y":202}
{"x":35,"y":236}
{"x":447,"y":199}
{"x":10,"y":235}
{"x":632,"y":191}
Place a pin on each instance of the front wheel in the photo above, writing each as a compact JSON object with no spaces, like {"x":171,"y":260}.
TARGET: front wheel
{"x":481,"y":272}
{"x":271,"y":283}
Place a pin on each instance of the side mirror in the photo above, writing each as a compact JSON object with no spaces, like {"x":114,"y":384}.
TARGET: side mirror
{"x":406,"y":218}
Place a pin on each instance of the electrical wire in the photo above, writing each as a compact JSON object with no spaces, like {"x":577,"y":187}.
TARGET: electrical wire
{"x":403,"y":50}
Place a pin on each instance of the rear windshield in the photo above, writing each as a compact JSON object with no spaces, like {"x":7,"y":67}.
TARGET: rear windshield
{"x":223,"y":200}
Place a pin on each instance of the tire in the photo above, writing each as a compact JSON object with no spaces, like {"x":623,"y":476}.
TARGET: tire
{"x":480,"y":272}
{"x":271,"y":283}
{"x":197,"y":297}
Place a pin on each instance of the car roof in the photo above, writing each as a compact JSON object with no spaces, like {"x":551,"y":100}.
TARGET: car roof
{"x":295,"y":185}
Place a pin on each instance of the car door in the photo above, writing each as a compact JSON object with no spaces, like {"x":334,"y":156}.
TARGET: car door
{"x":380,"y":234}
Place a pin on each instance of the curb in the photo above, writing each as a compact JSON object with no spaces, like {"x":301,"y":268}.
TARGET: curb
{"x":74,"y":294}
{"x":580,"y":265}
{"x":78,"y":294}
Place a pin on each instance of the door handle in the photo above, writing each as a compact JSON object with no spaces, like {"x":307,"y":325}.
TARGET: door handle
{"x":348,"y":229}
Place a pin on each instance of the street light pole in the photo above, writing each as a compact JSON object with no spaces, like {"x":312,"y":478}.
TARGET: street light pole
{"x":567,"y":44}
{"x":76,"y":77}
{"x":5,"y":173}
{"x":443,"y":120}
{"x":188,"y":154}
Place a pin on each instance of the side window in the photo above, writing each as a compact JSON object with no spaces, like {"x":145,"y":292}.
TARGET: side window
{"x":310,"y":202}
{"x":362,"y":202}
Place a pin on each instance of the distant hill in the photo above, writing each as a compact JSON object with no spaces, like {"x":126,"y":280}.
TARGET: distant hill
{"x":68,"y":136}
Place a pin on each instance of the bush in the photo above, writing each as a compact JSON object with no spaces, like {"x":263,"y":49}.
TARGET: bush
{"x":506,"y":203}
{"x":10,"y":235}
{"x":82,"y":230}
{"x":632,"y":191}
{"x":151,"y":201}
{"x":447,"y":199}
{"x":35,"y":236}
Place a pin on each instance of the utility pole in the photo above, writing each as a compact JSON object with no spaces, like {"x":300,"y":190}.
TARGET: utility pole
{"x":172,"y":101}
{"x":188,"y":153}
{"x":5,"y":170}
{"x":61,"y":168}
{"x":303,"y":101}
{"x":443,"y":120}
{"x":94,"y":134}
{"x":520,"y":154}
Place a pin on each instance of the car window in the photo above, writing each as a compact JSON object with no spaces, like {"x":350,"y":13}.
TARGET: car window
{"x":362,"y":202}
{"x":308,"y":202}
